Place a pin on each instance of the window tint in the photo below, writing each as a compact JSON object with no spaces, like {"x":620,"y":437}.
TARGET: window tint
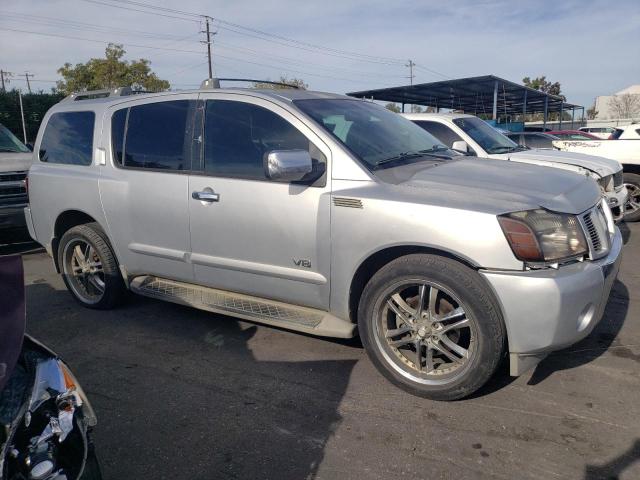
{"x":538,"y":141}
{"x":9,"y":142}
{"x":616,"y":134}
{"x":156,"y":136}
{"x":440,"y":131}
{"x":118,"y":126}
{"x":515,"y":137}
{"x":68,"y":138}
{"x":237,"y":136}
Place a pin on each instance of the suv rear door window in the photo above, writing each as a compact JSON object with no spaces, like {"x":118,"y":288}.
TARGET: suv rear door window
{"x":68,"y":138}
{"x":156,"y":136}
{"x":237,"y":135}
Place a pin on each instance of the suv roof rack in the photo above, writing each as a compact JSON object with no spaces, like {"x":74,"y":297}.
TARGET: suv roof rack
{"x":210,"y":83}
{"x":107,"y":92}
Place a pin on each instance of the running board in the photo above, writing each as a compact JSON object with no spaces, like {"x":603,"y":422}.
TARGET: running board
{"x":253,"y":309}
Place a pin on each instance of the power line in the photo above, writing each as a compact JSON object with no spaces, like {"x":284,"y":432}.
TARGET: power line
{"x":182,"y":51}
{"x":97,"y":41}
{"x":241,"y":29}
{"x":142,"y":11}
{"x":58,"y":22}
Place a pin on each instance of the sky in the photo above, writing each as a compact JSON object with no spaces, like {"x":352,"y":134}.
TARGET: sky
{"x":590,"y":47}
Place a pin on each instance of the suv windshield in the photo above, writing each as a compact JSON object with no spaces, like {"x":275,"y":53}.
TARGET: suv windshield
{"x":486,"y":136}
{"x":375,"y":135}
{"x":10,"y":143}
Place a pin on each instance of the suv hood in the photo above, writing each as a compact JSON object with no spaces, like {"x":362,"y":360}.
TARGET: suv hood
{"x":497,"y":186}
{"x":601,"y":166}
{"x":15,"y":162}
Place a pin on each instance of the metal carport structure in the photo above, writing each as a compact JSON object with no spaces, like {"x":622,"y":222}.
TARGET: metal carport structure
{"x":488,"y":95}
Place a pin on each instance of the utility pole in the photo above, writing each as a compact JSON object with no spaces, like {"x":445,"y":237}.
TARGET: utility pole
{"x":24,"y":127}
{"x":208,"y":42}
{"x":26,"y":76}
{"x":410,"y":65}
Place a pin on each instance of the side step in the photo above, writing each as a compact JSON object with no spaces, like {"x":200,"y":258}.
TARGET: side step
{"x":253,"y":309}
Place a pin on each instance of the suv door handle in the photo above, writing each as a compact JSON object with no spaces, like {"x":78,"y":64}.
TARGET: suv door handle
{"x":206,"y":196}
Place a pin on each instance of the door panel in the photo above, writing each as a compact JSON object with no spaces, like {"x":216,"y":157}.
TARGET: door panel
{"x":145,"y":192}
{"x":260,"y":237}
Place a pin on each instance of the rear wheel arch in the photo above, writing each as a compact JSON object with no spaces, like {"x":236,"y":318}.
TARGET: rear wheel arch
{"x":65,"y":221}
{"x":375,"y":261}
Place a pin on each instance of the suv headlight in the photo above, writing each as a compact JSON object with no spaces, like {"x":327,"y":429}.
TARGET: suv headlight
{"x":543,"y":236}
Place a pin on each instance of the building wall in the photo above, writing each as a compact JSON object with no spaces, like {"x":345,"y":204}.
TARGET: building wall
{"x":602,"y":102}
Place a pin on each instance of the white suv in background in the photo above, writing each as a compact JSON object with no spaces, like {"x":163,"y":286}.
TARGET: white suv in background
{"x":602,"y":132}
{"x":475,"y":137}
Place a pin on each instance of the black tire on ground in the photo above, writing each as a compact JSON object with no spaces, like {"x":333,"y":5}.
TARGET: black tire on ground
{"x":479,"y":303}
{"x":114,"y":287}
{"x":632,"y":179}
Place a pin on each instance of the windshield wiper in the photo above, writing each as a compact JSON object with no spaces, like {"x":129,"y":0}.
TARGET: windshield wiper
{"x":432,"y":152}
{"x":8,"y":150}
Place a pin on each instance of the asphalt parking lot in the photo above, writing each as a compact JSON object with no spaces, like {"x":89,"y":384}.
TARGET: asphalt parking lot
{"x":182,"y":394}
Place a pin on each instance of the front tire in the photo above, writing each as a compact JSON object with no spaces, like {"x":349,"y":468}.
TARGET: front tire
{"x":89,"y":267}
{"x":632,"y":208}
{"x":431,"y":326}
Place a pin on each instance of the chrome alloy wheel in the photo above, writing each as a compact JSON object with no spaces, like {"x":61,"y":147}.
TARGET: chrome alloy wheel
{"x":425,"y":332}
{"x":83,"y":268}
{"x":633,"y":202}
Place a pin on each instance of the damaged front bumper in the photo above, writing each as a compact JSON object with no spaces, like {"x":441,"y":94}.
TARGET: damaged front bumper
{"x":546,"y":310}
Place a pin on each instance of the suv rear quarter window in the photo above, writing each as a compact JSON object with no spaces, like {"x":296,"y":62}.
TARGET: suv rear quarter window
{"x":68,"y":138}
{"x":156,"y":136}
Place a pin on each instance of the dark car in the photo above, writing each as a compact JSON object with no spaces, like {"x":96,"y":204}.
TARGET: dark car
{"x":45,"y":417}
{"x":573,"y":135}
{"x":533,"y":139}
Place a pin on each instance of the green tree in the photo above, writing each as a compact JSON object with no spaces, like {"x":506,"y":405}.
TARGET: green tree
{"x":110,"y":72}
{"x":592,"y":113}
{"x":393,"y":107}
{"x":293,"y":82}
{"x":542,"y":84}
{"x":35,"y":105}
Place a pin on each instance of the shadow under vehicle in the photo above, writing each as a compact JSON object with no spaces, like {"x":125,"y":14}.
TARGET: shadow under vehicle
{"x":45,"y":418}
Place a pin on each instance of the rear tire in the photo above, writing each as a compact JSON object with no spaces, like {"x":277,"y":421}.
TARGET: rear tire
{"x":632,"y":209}
{"x":89,"y":267}
{"x":431,"y":326}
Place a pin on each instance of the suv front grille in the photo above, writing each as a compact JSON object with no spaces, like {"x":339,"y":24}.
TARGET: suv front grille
{"x":593,"y":233}
{"x":13,"y":189}
{"x":595,"y":225}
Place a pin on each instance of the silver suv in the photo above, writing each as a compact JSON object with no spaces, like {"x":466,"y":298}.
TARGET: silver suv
{"x":322,"y":213}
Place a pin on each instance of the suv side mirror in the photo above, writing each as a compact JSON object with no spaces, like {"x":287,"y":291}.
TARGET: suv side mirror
{"x":460,"y":146}
{"x":287,"y":165}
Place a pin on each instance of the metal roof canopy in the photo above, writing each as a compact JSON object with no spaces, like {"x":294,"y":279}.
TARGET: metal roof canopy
{"x":487,"y":94}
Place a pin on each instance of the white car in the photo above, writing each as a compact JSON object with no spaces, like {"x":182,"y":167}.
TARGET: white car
{"x":623,"y":147}
{"x":601,"y":132}
{"x":473,"y":136}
